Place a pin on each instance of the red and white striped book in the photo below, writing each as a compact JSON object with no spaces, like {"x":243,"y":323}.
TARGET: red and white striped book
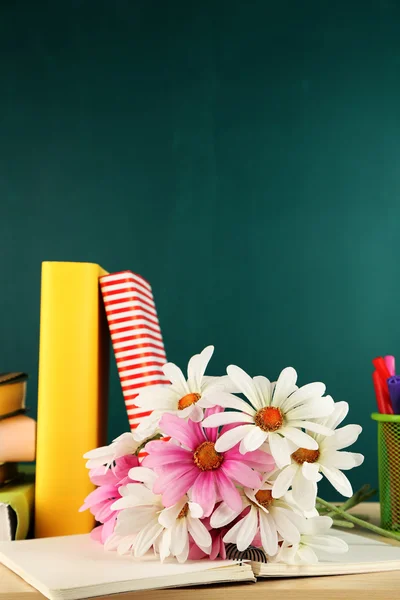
{"x":135,"y":336}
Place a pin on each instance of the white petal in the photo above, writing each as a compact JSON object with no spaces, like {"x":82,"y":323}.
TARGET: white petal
{"x":343,"y":437}
{"x":157,"y":396}
{"x":341,"y":460}
{"x":311,"y":471}
{"x":198,"y":364}
{"x":269,"y":535}
{"x":164,"y":544}
{"x":264,"y":389}
{"x":147,"y":427}
{"x":168,"y":516}
{"x":228,"y":401}
{"x":307,"y":555}
{"x":305,"y":393}
{"x":246,"y":534}
{"x":339,"y":413}
{"x":316,"y":525}
{"x":327,"y":543}
{"x":311,"y":426}
{"x":338,"y":480}
{"x":253,"y":440}
{"x":284,"y":480}
{"x":146,"y":538}
{"x":182,"y":557}
{"x":299,"y":437}
{"x":195,"y":510}
{"x":125,"y":544}
{"x":314,"y":409}
{"x":304,"y":491}
{"x":223,"y":515}
{"x":175,"y":375}
{"x":132,"y":520}
{"x":284,"y":525}
{"x":179,"y":537}
{"x":239,"y":533}
{"x":232,"y":437}
{"x":199,"y":533}
{"x":143,"y":474}
{"x":246,"y":385}
{"x":279,"y":450}
{"x":224,"y":418}
{"x":285,"y":385}
{"x":210,"y":385}
{"x":196,"y":413}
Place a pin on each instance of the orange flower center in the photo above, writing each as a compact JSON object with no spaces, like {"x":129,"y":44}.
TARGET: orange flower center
{"x":303,"y":455}
{"x":184,"y":511}
{"x":264,"y":497}
{"x":188,"y":400}
{"x":206,"y":457}
{"x":269,"y":418}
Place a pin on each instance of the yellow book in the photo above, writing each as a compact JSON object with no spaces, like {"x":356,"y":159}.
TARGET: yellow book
{"x":18,"y":497}
{"x":72,"y":395}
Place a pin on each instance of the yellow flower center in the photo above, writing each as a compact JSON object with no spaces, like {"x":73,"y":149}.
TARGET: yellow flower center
{"x":269,"y":418}
{"x":188,"y":400}
{"x":184,"y":511}
{"x":264,"y":497}
{"x":303,"y":455}
{"x":206,"y":457}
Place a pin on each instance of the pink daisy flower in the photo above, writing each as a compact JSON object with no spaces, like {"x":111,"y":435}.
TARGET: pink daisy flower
{"x":100,"y":500}
{"x":190,"y":462}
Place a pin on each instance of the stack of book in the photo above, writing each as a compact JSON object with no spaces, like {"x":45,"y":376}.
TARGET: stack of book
{"x":17,"y":445}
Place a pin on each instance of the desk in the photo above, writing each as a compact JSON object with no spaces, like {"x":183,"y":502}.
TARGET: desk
{"x":372,"y":586}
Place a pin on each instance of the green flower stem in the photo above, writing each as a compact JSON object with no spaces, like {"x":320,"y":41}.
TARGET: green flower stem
{"x":344,"y":515}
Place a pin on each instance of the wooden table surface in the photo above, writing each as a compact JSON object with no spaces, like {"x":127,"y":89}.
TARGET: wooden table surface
{"x":372,"y":586}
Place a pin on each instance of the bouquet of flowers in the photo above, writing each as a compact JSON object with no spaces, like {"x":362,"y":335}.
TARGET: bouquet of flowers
{"x":208,"y":468}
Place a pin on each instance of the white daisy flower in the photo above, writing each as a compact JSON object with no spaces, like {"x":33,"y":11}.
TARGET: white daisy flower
{"x":314,"y":537}
{"x":180,"y":520}
{"x":137,"y":527}
{"x":121,"y":446}
{"x":144,"y":522}
{"x":274,"y":413}
{"x":308,"y":466}
{"x":185,"y":398}
{"x":273,"y":519}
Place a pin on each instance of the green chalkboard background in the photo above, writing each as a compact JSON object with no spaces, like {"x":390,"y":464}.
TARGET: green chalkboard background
{"x":242,"y":156}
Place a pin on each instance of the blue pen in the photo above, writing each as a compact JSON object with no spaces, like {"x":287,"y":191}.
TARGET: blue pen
{"x":394,"y":392}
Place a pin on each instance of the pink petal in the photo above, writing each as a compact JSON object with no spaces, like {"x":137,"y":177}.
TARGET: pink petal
{"x":212,"y":432}
{"x":195,"y":553}
{"x":178,"y":488}
{"x":204,"y":492}
{"x":167,"y":476}
{"x":241,"y":473}
{"x":95,"y":534}
{"x":102,"y":476}
{"x":104,"y":513}
{"x":105,"y":492}
{"x":228,"y":491}
{"x":124,"y":464}
{"x":258,"y":459}
{"x":172,"y":455}
{"x":108,"y":529}
{"x":188,"y":433}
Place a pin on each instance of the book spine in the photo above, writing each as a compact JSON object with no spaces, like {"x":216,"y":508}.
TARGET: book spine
{"x":135,"y":335}
{"x":72,"y":396}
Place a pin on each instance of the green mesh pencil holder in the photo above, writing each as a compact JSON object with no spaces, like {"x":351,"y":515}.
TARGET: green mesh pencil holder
{"x":389,"y":469}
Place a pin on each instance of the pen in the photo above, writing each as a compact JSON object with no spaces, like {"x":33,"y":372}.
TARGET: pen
{"x":390,"y":364}
{"x":394,"y":391}
{"x":378,"y":387}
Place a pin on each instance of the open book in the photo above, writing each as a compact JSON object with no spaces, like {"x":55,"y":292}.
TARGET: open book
{"x":76,"y":567}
